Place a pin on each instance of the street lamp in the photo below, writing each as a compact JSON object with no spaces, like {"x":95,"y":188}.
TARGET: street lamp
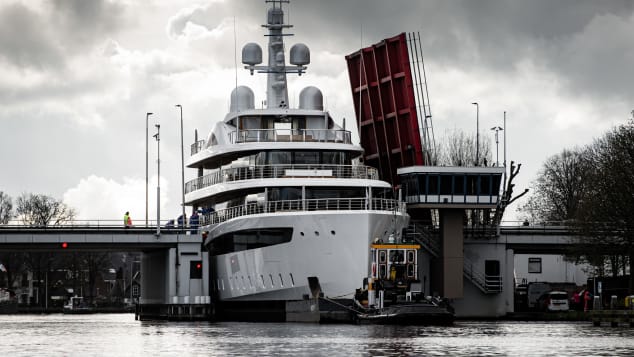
{"x":147,"y":117}
{"x":158,"y":180}
{"x":496,"y":129}
{"x":182,"y":168}
{"x":477,"y":133}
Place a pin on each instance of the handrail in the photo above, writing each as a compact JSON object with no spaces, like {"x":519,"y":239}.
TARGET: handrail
{"x":278,"y":171}
{"x":290,"y":135}
{"x":282,"y":135}
{"x":321,"y":204}
{"x":486,"y":283}
{"x":197,"y":146}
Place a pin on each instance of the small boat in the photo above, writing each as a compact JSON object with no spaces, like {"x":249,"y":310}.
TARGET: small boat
{"x":392,"y":294}
{"x":76,"y":305}
{"x":426,"y":312}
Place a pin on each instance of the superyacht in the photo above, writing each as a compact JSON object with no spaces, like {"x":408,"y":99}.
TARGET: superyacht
{"x":284,"y":198}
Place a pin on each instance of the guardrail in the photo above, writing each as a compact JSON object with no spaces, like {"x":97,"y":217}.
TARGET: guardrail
{"x":197,"y":146}
{"x":279,"y":171}
{"x":322,"y":204}
{"x":283,"y":135}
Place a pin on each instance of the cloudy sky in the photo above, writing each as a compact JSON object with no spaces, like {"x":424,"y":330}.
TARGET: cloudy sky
{"x":77,"y":77}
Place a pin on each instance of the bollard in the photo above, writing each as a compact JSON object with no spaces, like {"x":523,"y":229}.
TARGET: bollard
{"x":596,"y":305}
{"x":612,"y":302}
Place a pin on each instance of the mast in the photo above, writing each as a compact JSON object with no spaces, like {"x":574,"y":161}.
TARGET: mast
{"x":276,"y":86}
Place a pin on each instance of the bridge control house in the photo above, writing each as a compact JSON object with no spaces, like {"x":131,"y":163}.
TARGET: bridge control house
{"x":452,"y":190}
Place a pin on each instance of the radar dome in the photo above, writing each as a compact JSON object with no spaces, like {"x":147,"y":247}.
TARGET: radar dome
{"x":300,"y":54}
{"x":311,"y":98}
{"x":251,"y":54}
{"x":242,"y":98}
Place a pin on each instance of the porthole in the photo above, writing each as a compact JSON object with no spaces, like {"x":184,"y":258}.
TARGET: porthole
{"x":332,"y":232}
{"x":317,"y":233}
{"x":301,"y":234}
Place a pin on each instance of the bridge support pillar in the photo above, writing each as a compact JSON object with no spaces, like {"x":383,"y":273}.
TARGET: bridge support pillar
{"x":175,"y":283}
{"x":448,"y":275}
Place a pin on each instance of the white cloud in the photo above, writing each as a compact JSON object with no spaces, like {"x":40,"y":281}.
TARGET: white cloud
{"x":107,"y":199}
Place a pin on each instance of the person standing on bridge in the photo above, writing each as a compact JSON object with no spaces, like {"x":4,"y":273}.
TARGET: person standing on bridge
{"x":127,"y":221}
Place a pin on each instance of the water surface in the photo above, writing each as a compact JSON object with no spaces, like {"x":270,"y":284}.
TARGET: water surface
{"x":121,"y":335}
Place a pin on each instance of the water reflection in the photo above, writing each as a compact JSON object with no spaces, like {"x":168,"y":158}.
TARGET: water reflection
{"x":120,"y":335}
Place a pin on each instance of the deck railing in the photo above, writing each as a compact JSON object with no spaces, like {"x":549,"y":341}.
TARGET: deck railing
{"x":280,"y":171}
{"x":282,"y":135}
{"x":197,"y":146}
{"x":322,"y":204}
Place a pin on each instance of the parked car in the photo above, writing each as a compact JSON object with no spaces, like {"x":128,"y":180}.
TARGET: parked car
{"x":554,"y":301}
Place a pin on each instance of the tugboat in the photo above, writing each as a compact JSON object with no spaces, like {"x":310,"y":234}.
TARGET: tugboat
{"x":393,"y":294}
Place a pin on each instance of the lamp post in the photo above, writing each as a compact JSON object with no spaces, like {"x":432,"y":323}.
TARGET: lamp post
{"x":147,"y":117}
{"x":158,"y":180}
{"x":504,"y":125}
{"x":477,"y":133}
{"x":496,"y":129}
{"x":182,"y":168}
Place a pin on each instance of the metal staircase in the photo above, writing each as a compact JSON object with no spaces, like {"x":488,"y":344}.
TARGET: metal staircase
{"x":488,"y":284}
{"x":429,"y":239}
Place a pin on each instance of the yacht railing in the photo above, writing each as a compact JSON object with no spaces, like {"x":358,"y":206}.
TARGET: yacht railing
{"x":280,"y":171}
{"x":290,"y":135}
{"x":283,"y":135}
{"x":321,"y":204}
{"x":197,"y":146}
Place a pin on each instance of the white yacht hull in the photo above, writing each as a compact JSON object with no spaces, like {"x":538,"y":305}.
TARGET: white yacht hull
{"x":330,"y":245}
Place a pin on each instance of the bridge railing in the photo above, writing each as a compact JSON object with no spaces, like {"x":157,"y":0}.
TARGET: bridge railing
{"x":92,"y":225}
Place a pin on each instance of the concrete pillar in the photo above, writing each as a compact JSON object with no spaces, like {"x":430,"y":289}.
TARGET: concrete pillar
{"x":451,"y":259}
{"x":172,"y":289}
{"x":508,"y":285}
{"x":153,"y":277}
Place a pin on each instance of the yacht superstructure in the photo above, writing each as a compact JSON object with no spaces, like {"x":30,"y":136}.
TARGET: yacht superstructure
{"x":283,"y":200}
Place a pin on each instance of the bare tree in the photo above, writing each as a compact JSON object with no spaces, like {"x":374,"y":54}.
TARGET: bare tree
{"x":459,"y":149}
{"x":605,"y":211}
{"x":42,"y":210}
{"x":6,"y":208}
{"x":559,"y":187}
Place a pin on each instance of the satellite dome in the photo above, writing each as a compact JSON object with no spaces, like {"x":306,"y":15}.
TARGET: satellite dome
{"x":242,"y":98}
{"x":311,"y":98}
{"x":300,"y":54}
{"x":251,"y":54}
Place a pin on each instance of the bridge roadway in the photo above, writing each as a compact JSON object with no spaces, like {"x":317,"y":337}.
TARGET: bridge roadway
{"x":92,"y":238}
{"x":538,"y":239}
{"x":522,"y":239}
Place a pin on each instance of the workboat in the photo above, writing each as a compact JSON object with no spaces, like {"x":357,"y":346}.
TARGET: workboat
{"x":283,"y":196}
{"x":77,"y":305}
{"x":393,"y":294}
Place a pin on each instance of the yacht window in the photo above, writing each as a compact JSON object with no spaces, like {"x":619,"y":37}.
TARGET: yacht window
{"x":306,"y":158}
{"x":279,"y":158}
{"x":351,"y":192}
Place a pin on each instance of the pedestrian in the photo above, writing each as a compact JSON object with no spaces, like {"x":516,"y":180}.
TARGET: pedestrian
{"x":127,"y":221}
{"x":586,"y":301}
{"x":193,"y":222}
{"x":182,"y":221}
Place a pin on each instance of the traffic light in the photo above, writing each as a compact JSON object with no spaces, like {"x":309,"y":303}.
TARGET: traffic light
{"x":196,"y":269}
{"x":64,"y":245}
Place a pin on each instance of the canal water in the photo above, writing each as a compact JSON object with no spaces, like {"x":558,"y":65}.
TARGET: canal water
{"x":121,"y":335}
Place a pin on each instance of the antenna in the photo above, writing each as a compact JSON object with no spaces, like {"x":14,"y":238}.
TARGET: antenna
{"x":235,"y":54}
